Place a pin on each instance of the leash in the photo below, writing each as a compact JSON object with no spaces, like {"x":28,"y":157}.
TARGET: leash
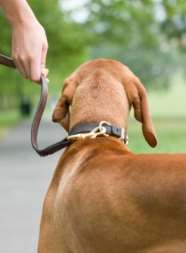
{"x":80,"y":131}
{"x":7,"y":61}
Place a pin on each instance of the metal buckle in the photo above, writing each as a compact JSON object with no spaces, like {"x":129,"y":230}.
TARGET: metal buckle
{"x":100,"y":130}
{"x":124,"y":136}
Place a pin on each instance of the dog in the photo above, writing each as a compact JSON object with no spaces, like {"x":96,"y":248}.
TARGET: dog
{"x":103,"y":198}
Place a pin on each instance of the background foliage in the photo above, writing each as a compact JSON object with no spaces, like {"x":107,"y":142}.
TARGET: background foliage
{"x":147,"y":35}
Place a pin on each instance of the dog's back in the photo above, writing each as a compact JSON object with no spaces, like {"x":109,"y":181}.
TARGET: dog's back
{"x":104,"y":199}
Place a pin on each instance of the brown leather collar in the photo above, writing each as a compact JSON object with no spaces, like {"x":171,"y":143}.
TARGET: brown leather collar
{"x":102,"y":128}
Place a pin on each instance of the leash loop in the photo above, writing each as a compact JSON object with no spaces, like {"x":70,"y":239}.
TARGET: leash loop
{"x":39,"y":112}
{"x":7,"y":61}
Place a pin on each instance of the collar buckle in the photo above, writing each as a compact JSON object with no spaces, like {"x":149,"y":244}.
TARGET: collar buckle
{"x":93,"y":130}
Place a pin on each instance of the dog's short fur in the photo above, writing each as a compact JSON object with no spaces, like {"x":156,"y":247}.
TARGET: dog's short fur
{"x":103,"y":198}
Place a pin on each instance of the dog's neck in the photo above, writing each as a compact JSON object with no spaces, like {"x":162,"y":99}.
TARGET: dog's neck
{"x":100,"y":98}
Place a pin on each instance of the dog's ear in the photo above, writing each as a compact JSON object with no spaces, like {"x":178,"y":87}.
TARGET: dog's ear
{"x":142,"y":114}
{"x":61,"y":112}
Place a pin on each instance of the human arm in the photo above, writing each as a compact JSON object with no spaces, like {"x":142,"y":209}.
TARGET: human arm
{"x":29,"y":42}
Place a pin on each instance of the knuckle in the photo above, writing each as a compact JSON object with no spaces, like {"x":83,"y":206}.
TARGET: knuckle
{"x":22,"y":58}
{"x":35,"y":78}
{"x":26,"y":58}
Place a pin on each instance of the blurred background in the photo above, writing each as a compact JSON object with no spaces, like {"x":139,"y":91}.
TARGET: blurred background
{"x":147,"y":35}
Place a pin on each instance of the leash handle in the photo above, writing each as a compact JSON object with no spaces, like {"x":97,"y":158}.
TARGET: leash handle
{"x":7,"y":61}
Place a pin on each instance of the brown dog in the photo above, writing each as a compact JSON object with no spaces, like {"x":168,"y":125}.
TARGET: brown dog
{"x":103,"y":198}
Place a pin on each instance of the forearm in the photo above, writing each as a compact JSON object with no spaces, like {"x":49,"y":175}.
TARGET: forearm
{"x":17,"y":11}
{"x":29,"y":42}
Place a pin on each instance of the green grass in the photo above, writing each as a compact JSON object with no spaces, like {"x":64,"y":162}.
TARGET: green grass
{"x":169,"y":113}
{"x":8,"y":118}
{"x":171,"y":135}
{"x":169,"y":103}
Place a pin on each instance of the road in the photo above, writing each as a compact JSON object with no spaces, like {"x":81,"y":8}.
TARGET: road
{"x":24,"y":178}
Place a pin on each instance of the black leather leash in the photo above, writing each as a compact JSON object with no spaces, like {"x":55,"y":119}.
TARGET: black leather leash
{"x":82,"y":128}
{"x":7,"y":61}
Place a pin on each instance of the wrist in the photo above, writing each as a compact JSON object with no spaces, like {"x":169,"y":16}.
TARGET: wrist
{"x":18,"y":12}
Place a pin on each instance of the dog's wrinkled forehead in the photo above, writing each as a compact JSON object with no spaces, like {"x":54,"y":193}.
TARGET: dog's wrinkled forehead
{"x":115,"y":68}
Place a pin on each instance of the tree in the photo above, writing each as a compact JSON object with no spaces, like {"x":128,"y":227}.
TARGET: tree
{"x":174,"y":23}
{"x":129,"y":31}
{"x":67,"y":49}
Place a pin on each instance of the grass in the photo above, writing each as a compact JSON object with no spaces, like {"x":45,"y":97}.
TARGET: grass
{"x":169,"y":103}
{"x":8,"y":118}
{"x":171,"y":135}
{"x":168,"y":110}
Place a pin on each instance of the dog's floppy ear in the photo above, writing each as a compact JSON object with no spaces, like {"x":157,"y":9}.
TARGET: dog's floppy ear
{"x":61,"y":111}
{"x":142,"y":114}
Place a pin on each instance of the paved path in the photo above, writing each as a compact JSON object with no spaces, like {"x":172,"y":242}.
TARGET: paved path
{"x":24,"y":178}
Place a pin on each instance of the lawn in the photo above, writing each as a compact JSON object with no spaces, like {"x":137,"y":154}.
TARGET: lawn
{"x":169,"y":114}
{"x":171,"y":135}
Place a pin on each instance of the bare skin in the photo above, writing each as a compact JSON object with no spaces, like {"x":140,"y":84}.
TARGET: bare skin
{"x":29,"y":41}
{"x":103,"y":198}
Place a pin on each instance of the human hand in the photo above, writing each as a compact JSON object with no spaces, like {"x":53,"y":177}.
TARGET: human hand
{"x":29,"y":49}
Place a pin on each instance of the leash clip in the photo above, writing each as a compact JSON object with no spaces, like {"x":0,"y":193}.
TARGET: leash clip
{"x":97,"y":131}
{"x":100,"y":130}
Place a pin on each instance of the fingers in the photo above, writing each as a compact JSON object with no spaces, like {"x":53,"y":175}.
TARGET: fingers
{"x":32,"y":67}
{"x":20,"y":65}
{"x":37,"y":65}
{"x":29,"y":67}
{"x":29,"y":50}
{"x":35,"y":69}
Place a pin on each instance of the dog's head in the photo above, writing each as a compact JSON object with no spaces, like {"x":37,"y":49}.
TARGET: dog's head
{"x":135,"y":91}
